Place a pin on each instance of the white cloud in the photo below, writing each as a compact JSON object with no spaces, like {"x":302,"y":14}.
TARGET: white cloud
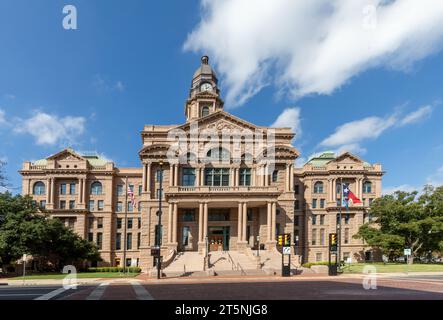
{"x":348,"y":136}
{"x":403,"y":187}
{"x":312,"y":46}
{"x":417,"y":115}
{"x":436,"y":179}
{"x":103,"y":84}
{"x":289,"y":118}
{"x":2,"y":117}
{"x":50,"y":129}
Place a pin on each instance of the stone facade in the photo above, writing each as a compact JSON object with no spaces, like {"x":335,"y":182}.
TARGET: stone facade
{"x":237,"y":200}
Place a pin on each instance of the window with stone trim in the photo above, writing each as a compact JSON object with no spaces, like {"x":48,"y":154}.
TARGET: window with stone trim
{"x":39,"y":189}
{"x":318,"y":187}
{"x":96,"y":188}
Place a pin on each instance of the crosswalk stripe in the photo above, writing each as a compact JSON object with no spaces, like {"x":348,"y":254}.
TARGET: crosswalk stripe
{"x":51,"y":294}
{"x":97,"y":293}
{"x":141,"y":292}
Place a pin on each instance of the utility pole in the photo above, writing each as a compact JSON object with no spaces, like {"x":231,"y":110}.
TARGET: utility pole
{"x":338,"y":257}
{"x":126,"y":221}
{"x":159,"y":225}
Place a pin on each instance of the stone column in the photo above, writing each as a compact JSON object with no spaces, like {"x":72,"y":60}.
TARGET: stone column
{"x":79,"y":190}
{"x":245,"y":221}
{"x":197,"y":181}
{"x":171,"y":175}
{"x":239,"y":224}
{"x":52,"y":190}
{"x":48,"y":191}
{"x":174,"y":223}
{"x":291,"y":177}
{"x":200,"y":222}
{"x":148,"y":179}
{"x":269,"y":221}
{"x":334,"y":190}
{"x":205,"y":220}
{"x":170,"y":211}
{"x":176,"y":172}
{"x":253,"y":173}
{"x":274,"y":212}
{"x":145,"y":173}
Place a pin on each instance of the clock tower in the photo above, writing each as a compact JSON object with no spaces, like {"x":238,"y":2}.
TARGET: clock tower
{"x":204,"y":97}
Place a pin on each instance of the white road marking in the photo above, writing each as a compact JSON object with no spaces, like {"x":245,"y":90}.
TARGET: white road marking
{"x":141,"y":292}
{"x":52,"y":294}
{"x":97,"y":293}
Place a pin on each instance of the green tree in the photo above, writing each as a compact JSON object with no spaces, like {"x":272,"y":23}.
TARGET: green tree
{"x":26,"y":230}
{"x":406,"y":220}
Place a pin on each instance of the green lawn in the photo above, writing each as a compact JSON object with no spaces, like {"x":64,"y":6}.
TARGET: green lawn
{"x":394,"y":267}
{"x":83,"y":275}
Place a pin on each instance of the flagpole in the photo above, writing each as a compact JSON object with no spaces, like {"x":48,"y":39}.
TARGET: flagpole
{"x":339,"y":223}
{"x":126,"y":221}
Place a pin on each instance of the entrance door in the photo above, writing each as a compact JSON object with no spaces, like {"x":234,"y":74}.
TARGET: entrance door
{"x":218,"y":238}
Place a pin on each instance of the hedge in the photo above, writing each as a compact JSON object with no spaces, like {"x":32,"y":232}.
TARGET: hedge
{"x":310,"y":264}
{"x":114,"y":269}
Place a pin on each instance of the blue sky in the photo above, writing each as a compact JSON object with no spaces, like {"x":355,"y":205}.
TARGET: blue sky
{"x":130,"y":63}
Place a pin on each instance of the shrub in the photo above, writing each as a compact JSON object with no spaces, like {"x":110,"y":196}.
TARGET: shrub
{"x":310,"y":264}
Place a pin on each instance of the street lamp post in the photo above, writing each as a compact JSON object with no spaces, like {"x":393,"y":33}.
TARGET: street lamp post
{"x":159,"y":226}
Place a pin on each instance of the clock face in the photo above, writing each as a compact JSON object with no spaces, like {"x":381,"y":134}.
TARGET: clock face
{"x":206,"y":87}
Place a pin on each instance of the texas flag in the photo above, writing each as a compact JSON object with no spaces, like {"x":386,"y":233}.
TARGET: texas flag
{"x":348,"y":197}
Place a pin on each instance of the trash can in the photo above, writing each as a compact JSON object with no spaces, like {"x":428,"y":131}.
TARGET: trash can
{"x":332,"y":269}
{"x":286,"y":271}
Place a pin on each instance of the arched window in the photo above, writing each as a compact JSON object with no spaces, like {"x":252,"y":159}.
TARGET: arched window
{"x":218,"y":154}
{"x":205,"y":111}
{"x":318,"y":187}
{"x":367,"y":187}
{"x":96,"y":188}
{"x":39,"y":188}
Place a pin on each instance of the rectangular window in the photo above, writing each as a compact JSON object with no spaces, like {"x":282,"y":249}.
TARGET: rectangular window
{"x":118,"y":241}
{"x":43,"y":204}
{"x":188,"y":177}
{"x":188,"y":215}
{"x":347,"y":218}
{"x":119,"y":206}
{"x":139,"y":238}
{"x":322,"y":219}
{"x":91,"y":205}
{"x":139,"y":223}
{"x":91,"y":222}
{"x":296,"y":205}
{"x":72,"y":188}
{"x":217,"y":177}
{"x":99,"y":240}
{"x":119,"y":223}
{"x":99,"y":223}
{"x":245,"y":176}
{"x":346,"y":235}
{"x":314,"y":203}
{"x":119,"y":190}
{"x":218,"y":215}
{"x":139,"y":206}
{"x":130,"y":207}
{"x":130,"y":223}
{"x":322,"y":203}
{"x":296,"y":221}
{"x":131,"y":186}
{"x":249,"y":214}
{"x":158,"y":237}
{"x":63,"y":188}
{"x":314,"y":237}
{"x":129,"y":241}
{"x":277,"y":229}
{"x":100,"y":205}
{"x":322,"y":237}
{"x":63,"y":205}
{"x":314,"y":220}
{"x":275,"y":176}
{"x":90,"y":237}
{"x":318,"y":257}
{"x":140,"y":190}
{"x":72,"y":204}
{"x":128,"y":262}
{"x":296,"y":189}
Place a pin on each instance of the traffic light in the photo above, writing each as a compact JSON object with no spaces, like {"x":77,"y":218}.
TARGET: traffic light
{"x":287,"y":240}
{"x":280,"y":240}
{"x":332,"y":242}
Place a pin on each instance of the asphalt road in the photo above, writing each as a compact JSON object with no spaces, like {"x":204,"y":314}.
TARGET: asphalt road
{"x":400,"y":287}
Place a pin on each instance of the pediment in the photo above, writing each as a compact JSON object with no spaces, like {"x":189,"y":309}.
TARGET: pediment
{"x":67,"y":155}
{"x":222,"y":121}
{"x":347,"y":158}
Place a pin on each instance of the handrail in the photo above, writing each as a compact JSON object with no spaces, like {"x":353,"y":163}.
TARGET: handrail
{"x":231,"y":261}
{"x":239,"y":267}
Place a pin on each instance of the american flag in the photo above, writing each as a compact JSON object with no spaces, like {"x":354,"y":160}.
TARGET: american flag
{"x":131,"y":196}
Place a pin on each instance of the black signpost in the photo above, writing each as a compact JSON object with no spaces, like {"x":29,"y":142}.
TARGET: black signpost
{"x":284,"y":241}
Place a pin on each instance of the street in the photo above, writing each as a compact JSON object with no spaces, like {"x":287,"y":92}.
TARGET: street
{"x":403,"y":287}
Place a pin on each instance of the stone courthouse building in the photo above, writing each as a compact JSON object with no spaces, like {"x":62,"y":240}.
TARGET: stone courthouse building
{"x":233,"y":195}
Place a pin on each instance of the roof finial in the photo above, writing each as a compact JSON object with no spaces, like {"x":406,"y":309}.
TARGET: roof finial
{"x":205,"y":60}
